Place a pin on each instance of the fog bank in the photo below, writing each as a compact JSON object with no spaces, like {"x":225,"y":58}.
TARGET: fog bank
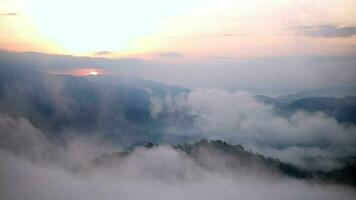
{"x":239,"y":118}
{"x":43,"y":170}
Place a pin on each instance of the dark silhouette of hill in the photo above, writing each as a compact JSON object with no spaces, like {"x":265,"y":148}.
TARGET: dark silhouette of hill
{"x":220,"y":156}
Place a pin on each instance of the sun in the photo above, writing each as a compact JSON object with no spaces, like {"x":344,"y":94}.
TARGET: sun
{"x":93,"y":73}
{"x":87,"y":72}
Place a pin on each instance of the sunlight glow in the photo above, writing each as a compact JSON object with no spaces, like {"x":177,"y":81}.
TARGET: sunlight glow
{"x":86,"y":72}
{"x":91,"y":26}
{"x":93,"y":73}
{"x":193,"y":28}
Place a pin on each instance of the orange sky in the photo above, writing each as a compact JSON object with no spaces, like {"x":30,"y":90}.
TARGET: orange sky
{"x":178,"y":29}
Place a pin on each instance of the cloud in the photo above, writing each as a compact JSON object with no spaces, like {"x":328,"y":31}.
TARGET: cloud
{"x":157,"y":173}
{"x":239,"y":118}
{"x":234,"y":35}
{"x":149,"y":175}
{"x":21,"y":138}
{"x":103,"y":53}
{"x":221,"y":58}
{"x":155,"y":107}
{"x":9,"y":14}
{"x":327,"y":31}
{"x":170,"y":55}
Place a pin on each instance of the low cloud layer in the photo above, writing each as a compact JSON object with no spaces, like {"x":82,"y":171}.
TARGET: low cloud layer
{"x":239,"y":118}
{"x":158,"y":173}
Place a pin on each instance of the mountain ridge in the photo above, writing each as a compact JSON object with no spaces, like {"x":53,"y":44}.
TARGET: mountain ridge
{"x":217,"y":155}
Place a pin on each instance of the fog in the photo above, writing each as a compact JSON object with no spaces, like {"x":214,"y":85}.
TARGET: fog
{"x":239,"y":118}
{"x":35,"y":165}
{"x":41,"y":169}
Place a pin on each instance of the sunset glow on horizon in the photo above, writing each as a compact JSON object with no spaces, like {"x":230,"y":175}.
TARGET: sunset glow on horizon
{"x":86,"y":72}
{"x":196,"y":29}
{"x":93,"y":73}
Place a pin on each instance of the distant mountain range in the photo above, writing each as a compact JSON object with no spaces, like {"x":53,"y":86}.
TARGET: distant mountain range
{"x":342,"y":109}
{"x":336,"y":92}
{"x":62,"y":103}
{"x":138,"y":83}
{"x":118,"y":107}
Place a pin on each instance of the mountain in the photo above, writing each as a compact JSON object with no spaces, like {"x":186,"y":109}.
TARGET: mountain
{"x":217,"y":155}
{"x":342,"y":109}
{"x":64,"y":63}
{"x":135,"y":82}
{"x":235,"y":157}
{"x":336,"y":92}
{"x":60,"y":104}
{"x":277,"y":102}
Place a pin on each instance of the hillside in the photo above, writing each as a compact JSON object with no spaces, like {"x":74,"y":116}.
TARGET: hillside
{"x":217,"y":155}
{"x":63,"y":104}
{"x":342,"y":109}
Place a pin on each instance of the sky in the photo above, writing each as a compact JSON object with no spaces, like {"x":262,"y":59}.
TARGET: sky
{"x":167,"y":29}
{"x":286,"y":44}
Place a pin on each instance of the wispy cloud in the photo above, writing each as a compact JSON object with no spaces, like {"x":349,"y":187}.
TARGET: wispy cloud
{"x":234,"y":35}
{"x":327,"y":31}
{"x":9,"y":14}
{"x":170,"y":55}
{"x":221,"y":58}
{"x":103,"y":53}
